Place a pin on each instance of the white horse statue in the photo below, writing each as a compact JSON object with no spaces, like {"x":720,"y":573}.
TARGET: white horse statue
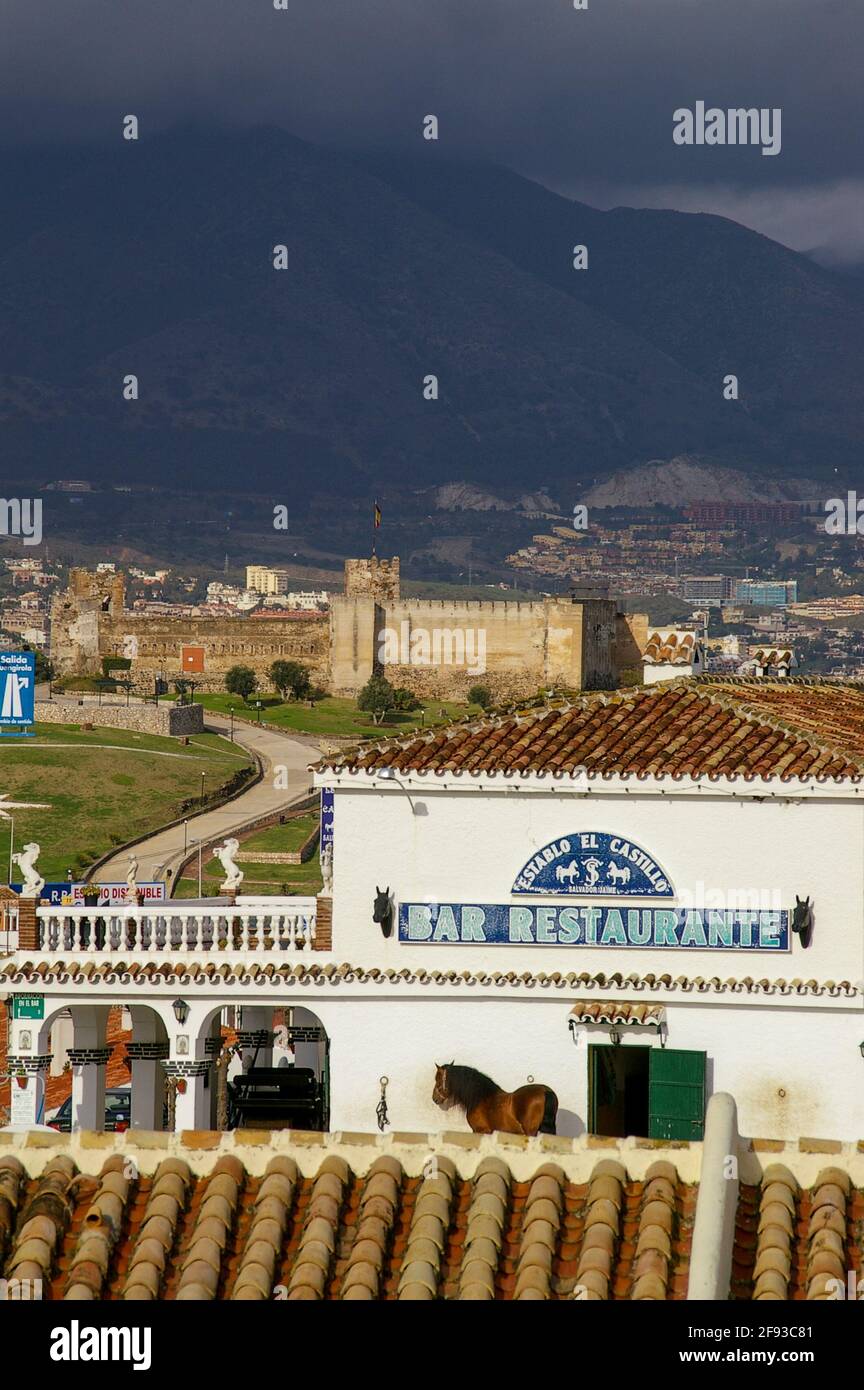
{"x":233,"y":876}
{"x":26,"y":861}
{"x":327,"y":870}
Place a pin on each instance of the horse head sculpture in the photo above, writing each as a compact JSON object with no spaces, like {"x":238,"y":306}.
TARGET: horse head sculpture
{"x":802,"y":920}
{"x":382,"y":912}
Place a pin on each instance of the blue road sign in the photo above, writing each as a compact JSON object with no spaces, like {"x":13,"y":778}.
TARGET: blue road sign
{"x":17,"y":689}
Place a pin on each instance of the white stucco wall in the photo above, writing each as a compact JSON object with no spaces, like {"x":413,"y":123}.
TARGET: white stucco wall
{"x":793,"y":1073}
{"x":791,"y":1062}
{"x":468,"y":847}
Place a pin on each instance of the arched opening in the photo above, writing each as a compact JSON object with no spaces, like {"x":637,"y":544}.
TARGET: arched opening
{"x":279,"y":1076}
{"x":105,"y":1069}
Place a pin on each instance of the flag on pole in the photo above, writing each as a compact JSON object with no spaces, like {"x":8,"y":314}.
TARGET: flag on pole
{"x":377,"y":515}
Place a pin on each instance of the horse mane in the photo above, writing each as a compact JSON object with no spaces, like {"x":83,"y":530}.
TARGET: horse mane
{"x":468,"y":1086}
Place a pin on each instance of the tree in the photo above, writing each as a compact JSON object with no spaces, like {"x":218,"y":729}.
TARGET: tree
{"x":480,"y":695}
{"x":241,"y":680}
{"x":290,"y":678}
{"x":376,"y":697}
{"x":405,"y":699}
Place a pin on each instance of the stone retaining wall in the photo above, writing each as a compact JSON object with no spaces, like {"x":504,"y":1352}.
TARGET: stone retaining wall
{"x":168,"y":719}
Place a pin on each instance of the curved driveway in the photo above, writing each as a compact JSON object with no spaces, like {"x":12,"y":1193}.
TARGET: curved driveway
{"x":165,"y":849}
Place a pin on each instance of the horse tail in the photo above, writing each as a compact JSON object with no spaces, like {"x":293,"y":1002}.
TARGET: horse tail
{"x":550,"y":1113}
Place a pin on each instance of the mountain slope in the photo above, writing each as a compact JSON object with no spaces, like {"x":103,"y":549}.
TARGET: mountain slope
{"x":155,"y":259}
{"x":713,"y":295}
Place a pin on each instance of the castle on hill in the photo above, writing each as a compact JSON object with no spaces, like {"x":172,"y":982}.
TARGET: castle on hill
{"x":438,"y":648}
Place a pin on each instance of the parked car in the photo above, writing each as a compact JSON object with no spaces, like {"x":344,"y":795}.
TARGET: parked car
{"x":118,"y":1111}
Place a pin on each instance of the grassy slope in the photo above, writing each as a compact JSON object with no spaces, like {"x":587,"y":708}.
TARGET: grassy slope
{"x":281,"y":838}
{"x":334,"y":716}
{"x":101,"y":796}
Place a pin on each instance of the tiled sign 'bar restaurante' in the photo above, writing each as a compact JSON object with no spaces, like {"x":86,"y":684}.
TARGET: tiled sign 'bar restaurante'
{"x":634,"y":899}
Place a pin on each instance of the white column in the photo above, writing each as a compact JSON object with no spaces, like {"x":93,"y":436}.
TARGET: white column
{"x":89,"y":1056}
{"x":62,"y":1038}
{"x":149,"y":1040}
{"x":192,"y":1106}
{"x":308,"y":1054}
{"x":27,"y":1070}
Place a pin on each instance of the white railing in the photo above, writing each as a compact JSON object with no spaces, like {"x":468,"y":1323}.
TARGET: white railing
{"x":253,"y":925}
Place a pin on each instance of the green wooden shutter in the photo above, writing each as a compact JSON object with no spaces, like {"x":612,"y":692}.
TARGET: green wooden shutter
{"x":676,"y":1094}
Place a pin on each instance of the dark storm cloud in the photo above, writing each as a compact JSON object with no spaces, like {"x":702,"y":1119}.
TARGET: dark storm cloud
{"x":580,"y":100}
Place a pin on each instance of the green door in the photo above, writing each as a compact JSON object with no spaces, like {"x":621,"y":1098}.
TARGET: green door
{"x":676,"y":1094}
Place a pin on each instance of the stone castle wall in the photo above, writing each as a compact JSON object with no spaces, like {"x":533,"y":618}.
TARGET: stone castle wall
{"x":167,"y":719}
{"x":79,"y":641}
{"x":514,"y":649}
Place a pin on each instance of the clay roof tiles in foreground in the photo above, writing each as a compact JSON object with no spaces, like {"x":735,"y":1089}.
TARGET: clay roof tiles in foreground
{"x":793,"y":1242}
{"x":504,"y":1219}
{"x":691,"y":727}
{"x":382,"y":1235}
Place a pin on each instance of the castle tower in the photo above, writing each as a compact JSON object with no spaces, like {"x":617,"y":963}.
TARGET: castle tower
{"x":75,"y":619}
{"x":373,"y":578}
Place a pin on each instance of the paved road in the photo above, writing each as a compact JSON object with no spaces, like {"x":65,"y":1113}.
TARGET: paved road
{"x":164,"y":850}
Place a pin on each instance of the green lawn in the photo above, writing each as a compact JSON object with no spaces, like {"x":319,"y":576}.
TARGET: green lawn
{"x":104,"y":786}
{"x":336,"y":716}
{"x":281,"y":838}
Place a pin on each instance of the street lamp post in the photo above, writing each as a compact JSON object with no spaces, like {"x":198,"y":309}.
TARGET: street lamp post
{"x":203,"y":775}
{"x":185,"y":836}
{"x":11,"y":844}
{"x":231,"y":712}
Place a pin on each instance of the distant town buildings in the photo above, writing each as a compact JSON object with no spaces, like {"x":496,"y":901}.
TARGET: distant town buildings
{"x":847,"y":606}
{"x":710,"y":589}
{"x":765,"y":593}
{"x":745,"y":513}
{"x":262,"y":579}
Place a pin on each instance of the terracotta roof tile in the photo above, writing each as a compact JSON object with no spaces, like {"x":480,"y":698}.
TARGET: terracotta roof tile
{"x":675,"y":648}
{"x":792,"y":1243}
{"x":337,"y":1236}
{"x":617,"y":1011}
{"x":334,"y":974}
{"x":700,"y":726}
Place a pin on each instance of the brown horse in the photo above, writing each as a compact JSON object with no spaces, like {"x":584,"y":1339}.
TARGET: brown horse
{"x":528,"y":1110}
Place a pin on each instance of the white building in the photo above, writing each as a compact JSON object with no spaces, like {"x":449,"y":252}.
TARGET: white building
{"x":671,"y":652}
{"x":265,"y":579}
{"x":596,"y":895}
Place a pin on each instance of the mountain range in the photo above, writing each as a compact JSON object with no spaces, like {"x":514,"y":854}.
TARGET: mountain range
{"x":155,"y":259}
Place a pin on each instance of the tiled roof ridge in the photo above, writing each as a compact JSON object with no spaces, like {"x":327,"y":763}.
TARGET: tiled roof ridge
{"x":230,"y":972}
{"x":522,"y":713}
{"x":707,"y":688}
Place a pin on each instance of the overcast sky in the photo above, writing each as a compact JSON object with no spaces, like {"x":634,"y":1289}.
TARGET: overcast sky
{"x":579,"y":100}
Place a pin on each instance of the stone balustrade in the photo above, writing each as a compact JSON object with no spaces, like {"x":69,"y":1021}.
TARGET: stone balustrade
{"x":252,"y":925}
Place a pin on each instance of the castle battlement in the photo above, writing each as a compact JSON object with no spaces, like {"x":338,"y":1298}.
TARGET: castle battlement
{"x":527,"y":644}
